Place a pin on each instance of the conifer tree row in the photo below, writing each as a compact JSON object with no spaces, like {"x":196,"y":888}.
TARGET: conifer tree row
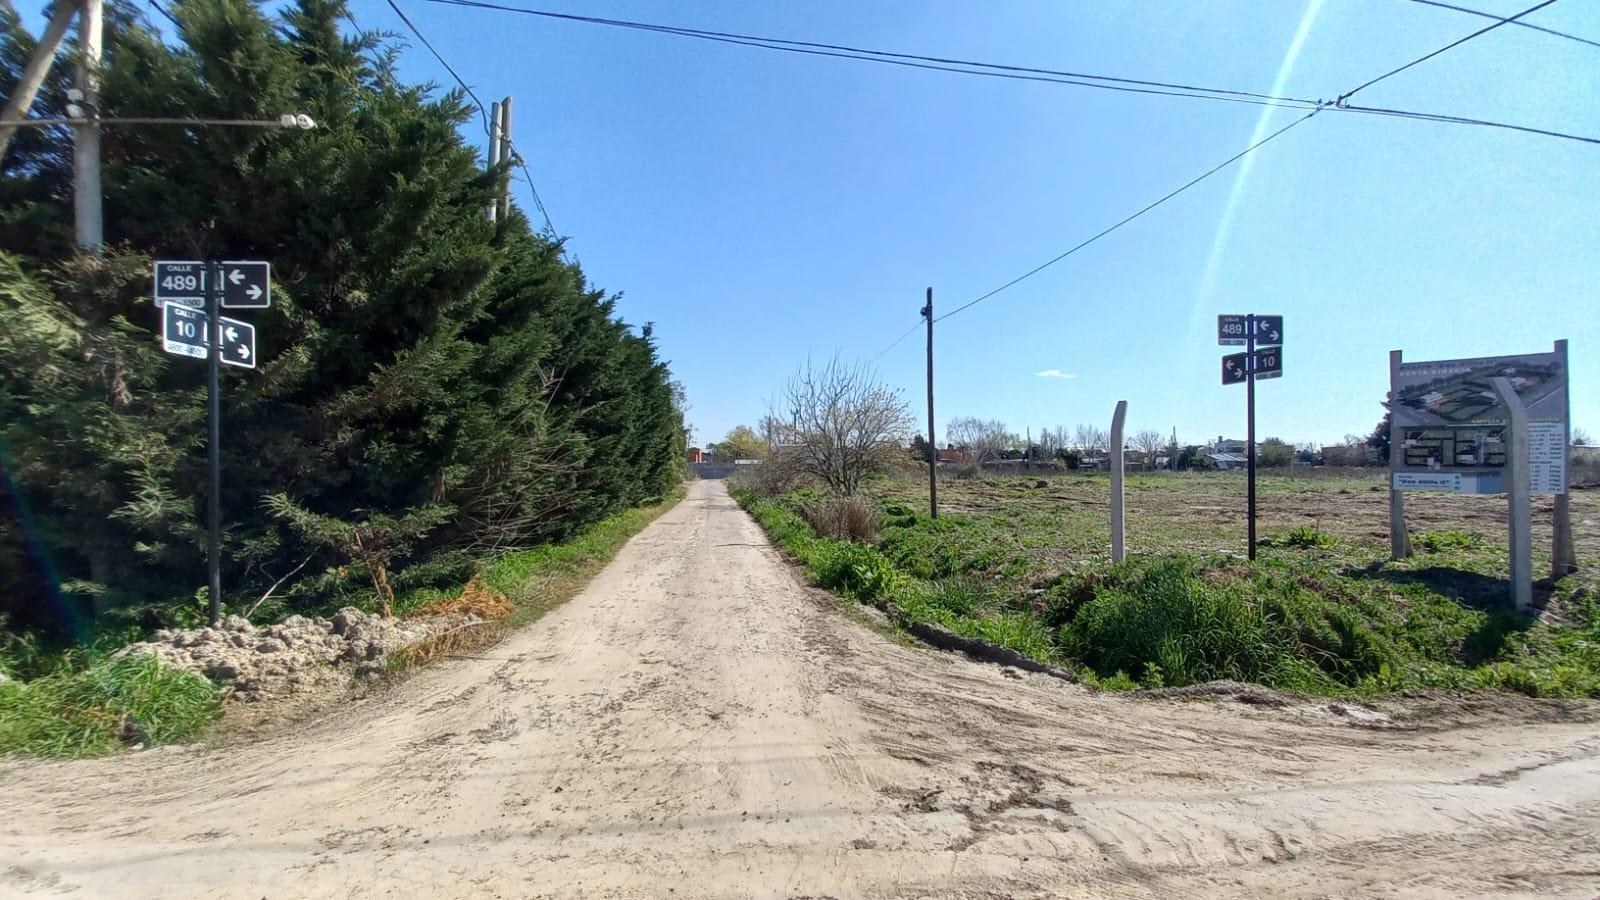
{"x":419,"y":363}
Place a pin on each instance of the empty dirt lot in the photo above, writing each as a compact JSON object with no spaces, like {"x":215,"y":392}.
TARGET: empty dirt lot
{"x":697,"y":723}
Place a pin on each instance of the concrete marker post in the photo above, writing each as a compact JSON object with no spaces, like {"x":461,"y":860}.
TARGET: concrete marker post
{"x":1118,"y":535}
{"x":1517,"y":489}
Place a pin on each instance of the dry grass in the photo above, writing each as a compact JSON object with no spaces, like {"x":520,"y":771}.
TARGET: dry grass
{"x":845,"y":518}
{"x":477,"y":598}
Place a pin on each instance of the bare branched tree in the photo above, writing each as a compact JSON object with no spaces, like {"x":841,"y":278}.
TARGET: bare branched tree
{"x":986,"y":440}
{"x":1150,"y":444}
{"x":843,"y":423}
{"x":1089,"y":439}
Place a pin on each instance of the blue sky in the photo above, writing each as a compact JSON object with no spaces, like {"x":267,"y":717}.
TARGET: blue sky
{"x":761,"y":207}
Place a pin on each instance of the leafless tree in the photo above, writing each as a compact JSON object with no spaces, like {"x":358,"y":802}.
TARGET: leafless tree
{"x":844,"y":423}
{"x":986,"y":440}
{"x":1089,"y":439}
{"x":1149,"y":443}
{"x":1580,"y":438}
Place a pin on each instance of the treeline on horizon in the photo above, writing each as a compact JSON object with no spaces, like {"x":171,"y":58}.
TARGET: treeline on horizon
{"x":433,"y":388}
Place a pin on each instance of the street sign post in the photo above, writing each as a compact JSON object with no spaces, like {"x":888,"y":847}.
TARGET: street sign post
{"x":181,"y":288}
{"x":1265,"y":333}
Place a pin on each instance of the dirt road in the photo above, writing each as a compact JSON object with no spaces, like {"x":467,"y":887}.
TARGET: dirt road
{"x":697,"y":724}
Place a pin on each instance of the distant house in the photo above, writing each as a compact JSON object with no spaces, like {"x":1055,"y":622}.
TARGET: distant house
{"x":952,"y":456}
{"x":1227,"y":461}
{"x":696,"y":456}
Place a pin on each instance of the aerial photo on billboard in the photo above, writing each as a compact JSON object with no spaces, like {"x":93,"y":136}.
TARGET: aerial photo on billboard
{"x":1459,"y":392}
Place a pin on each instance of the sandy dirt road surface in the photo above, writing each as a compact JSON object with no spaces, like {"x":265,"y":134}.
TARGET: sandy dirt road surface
{"x":698,"y":724}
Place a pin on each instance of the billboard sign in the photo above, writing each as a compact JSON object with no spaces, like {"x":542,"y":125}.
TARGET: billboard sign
{"x":1447,"y":419}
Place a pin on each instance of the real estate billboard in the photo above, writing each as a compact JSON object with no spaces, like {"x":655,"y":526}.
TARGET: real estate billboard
{"x":1448,"y":420}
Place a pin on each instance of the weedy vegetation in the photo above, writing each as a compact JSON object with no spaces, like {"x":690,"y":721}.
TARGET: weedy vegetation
{"x":1024,"y":563}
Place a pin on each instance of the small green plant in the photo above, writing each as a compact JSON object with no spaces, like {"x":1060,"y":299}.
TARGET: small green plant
{"x":1444,"y":541}
{"x":1308,"y":536}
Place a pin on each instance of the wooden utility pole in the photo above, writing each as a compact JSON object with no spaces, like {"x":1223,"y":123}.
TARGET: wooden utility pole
{"x":21,"y":100}
{"x":933,"y":448}
{"x":86,"y":192}
{"x":1563,"y":553}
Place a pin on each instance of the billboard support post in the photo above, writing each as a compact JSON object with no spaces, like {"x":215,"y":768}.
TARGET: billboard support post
{"x":1563,"y":554}
{"x":1399,"y":537}
{"x":1119,"y":548}
{"x":1517,"y":490}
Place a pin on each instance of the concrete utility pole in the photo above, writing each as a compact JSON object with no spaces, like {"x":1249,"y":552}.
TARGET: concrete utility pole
{"x":505,"y":157}
{"x":933,"y":448}
{"x":1517,"y":489}
{"x":494,"y":155}
{"x":1119,"y":550}
{"x":86,"y":191}
{"x":1399,"y":537}
{"x":21,"y":99}
{"x":1563,"y":552}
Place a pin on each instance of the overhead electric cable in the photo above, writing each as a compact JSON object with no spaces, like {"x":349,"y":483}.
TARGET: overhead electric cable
{"x":1026,"y":73}
{"x":1450,"y":46}
{"x":1207,"y":174}
{"x":1489,"y":15}
{"x":896,"y":341}
{"x":483,"y":111}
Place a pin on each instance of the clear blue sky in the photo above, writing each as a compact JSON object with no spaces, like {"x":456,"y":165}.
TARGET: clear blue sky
{"x":759,"y":207}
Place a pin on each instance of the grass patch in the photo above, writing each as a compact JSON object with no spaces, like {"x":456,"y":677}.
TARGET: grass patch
{"x":104,"y":706}
{"x":1321,"y":612}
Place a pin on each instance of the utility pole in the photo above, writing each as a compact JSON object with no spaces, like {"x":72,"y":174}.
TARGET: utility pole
{"x":933,"y":448}
{"x":494,"y":156}
{"x":21,"y":99}
{"x":505,"y":157}
{"x":86,"y":191}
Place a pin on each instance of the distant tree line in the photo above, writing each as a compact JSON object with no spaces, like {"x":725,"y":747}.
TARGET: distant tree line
{"x":432,"y":388}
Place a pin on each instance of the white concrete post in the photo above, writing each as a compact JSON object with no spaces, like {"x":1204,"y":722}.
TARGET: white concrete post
{"x":1517,"y":486}
{"x":1118,"y":550}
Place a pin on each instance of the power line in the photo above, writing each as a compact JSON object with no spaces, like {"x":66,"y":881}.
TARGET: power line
{"x":896,"y":341}
{"x":1207,"y":174}
{"x":1487,"y":15}
{"x":917,"y":61}
{"x":483,"y":112}
{"x":1450,"y":46}
{"x":1025,"y":73}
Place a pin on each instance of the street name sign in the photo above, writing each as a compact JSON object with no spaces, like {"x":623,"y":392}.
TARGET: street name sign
{"x":1268,"y":363}
{"x":246,"y":284}
{"x":238,"y":343}
{"x":183,"y":330}
{"x":180,"y":281}
{"x":1231,"y":332}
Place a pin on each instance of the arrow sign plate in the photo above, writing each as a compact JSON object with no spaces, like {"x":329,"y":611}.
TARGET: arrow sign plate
{"x":1235,"y":367}
{"x":246,"y":284}
{"x":183,"y":330}
{"x":1231,"y":330}
{"x":180,"y":281}
{"x":1269,"y":330}
{"x":238,"y":343}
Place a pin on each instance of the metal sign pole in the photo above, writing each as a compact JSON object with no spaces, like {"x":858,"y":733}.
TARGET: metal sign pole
{"x":1250,"y":426}
{"x":214,"y":441}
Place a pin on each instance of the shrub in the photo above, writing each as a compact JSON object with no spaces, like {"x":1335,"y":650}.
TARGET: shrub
{"x":1305,"y":536}
{"x":845,"y":518}
{"x":95,"y":710}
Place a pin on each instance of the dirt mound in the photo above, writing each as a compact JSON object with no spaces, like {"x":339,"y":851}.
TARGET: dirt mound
{"x":261,"y":663}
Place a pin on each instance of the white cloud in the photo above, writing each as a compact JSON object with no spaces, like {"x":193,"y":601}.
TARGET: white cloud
{"x":1056,"y":373}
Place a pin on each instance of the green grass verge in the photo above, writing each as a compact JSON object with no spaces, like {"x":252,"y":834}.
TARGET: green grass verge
{"x":1314,"y":615}
{"x":103,"y":706}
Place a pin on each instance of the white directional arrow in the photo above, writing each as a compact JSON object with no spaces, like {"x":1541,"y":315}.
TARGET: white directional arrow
{"x":232,"y":333}
{"x":244,"y":351}
{"x":235,"y":276}
{"x":254,"y":292}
